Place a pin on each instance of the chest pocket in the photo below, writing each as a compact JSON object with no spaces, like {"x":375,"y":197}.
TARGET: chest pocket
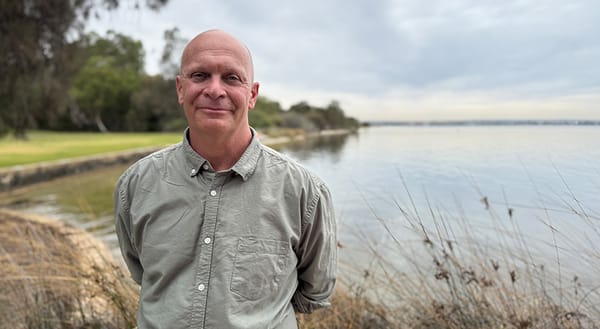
{"x":258,"y":267}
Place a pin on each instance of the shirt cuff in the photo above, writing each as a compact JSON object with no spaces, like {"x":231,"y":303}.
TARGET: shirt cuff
{"x":302,"y":304}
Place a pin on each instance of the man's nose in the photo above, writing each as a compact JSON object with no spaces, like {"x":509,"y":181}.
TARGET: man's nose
{"x":214,"y":88}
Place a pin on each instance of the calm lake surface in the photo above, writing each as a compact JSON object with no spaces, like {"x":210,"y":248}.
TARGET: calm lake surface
{"x":492,"y":186}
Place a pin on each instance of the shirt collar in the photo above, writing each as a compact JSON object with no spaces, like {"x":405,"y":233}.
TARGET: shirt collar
{"x":195,"y":162}
{"x":244,"y":167}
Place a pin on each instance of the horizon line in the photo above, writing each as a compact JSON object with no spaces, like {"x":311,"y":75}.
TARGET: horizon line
{"x":589,"y":122}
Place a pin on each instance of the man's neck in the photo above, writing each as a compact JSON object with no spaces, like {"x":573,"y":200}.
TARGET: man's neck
{"x":222,"y":151}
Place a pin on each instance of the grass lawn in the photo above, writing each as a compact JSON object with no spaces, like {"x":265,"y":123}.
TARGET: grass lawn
{"x":46,"y":146}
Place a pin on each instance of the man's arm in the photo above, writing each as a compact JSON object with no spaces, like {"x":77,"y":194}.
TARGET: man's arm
{"x":123,"y":229}
{"x":317,"y":254}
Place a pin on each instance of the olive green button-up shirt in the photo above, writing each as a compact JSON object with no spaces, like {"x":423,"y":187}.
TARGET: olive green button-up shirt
{"x":237,"y":249}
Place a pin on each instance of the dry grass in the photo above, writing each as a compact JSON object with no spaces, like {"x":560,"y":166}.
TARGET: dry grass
{"x":351,"y":309}
{"x":56,"y":276}
{"x":447,"y":276}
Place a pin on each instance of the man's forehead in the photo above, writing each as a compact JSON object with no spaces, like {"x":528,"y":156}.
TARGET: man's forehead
{"x":215,"y":60}
{"x":216,"y":42}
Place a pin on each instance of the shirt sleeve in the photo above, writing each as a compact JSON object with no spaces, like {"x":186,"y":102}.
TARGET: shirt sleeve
{"x":317,"y":255}
{"x":123,"y":229}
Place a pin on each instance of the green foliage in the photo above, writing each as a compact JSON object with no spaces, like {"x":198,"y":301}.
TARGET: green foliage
{"x":54,"y":77}
{"x":290,"y":119}
{"x":266,"y":113}
{"x":39,"y":56}
{"x":155,"y":107}
{"x":334,"y":115}
{"x":125,"y":51}
{"x":301,"y":108}
{"x":302,"y":115}
{"x":106,"y":82}
{"x":35,"y":59}
{"x":3,"y":128}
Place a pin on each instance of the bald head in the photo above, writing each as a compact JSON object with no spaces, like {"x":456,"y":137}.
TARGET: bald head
{"x":217,"y":40}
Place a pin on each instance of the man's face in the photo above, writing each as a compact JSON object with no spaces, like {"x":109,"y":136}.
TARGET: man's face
{"x":216,"y":88}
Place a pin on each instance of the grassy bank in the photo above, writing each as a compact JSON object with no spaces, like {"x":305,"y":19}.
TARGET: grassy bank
{"x":47,"y":146}
{"x":44,"y":146}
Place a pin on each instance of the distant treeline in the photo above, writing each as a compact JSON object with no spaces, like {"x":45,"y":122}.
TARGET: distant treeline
{"x":268,"y":114}
{"x":50,"y":80}
{"x":487,"y":123}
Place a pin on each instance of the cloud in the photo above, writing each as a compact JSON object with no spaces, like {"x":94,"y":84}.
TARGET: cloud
{"x":404,"y":53}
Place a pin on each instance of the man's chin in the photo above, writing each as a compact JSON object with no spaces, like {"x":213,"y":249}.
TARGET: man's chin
{"x":214,"y":124}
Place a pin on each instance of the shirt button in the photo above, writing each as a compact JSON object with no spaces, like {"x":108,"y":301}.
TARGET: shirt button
{"x":201,"y":287}
{"x":193,"y":171}
{"x":207,"y":240}
{"x":205,"y":166}
{"x":213,"y":192}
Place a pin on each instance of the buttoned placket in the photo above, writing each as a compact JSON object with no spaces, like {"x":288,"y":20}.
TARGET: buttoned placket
{"x":214,"y":184}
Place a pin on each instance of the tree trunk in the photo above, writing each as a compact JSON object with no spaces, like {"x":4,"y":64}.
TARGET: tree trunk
{"x":100,"y":124}
{"x":20,"y":116}
{"x":20,"y":133}
{"x":78,"y":117}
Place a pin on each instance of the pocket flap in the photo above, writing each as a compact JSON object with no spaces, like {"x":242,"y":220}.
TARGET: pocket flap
{"x":263,"y":246}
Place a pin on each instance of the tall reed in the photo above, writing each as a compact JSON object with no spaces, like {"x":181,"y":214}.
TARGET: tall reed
{"x":449,"y":273}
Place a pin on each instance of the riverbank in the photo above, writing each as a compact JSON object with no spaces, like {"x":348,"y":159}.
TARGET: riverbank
{"x":53,"y":275}
{"x":22,"y":175}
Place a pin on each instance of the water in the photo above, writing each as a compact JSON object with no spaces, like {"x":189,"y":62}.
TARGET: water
{"x":525,"y":197}
{"x":498,"y":186}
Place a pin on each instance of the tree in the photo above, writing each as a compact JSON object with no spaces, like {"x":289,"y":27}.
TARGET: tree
{"x":31,"y":35}
{"x":155,"y":107}
{"x":112,"y":72}
{"x":331,"y":117}
{"x":35,"y":65}
{"x":300,"y":108}
{"x":265,"y":114}
{"x":174,"y":43}
{"x":334,"y":115}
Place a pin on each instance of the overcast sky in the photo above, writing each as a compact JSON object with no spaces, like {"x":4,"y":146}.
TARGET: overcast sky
{"x":403,"y":59}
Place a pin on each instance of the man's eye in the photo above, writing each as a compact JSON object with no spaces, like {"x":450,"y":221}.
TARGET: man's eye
{"x":233,"y":78}
{"x":198,"y":76}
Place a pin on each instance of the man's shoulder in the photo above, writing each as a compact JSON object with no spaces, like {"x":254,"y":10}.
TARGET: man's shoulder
{"x":151,"y":163}
{"x":278,"y":162}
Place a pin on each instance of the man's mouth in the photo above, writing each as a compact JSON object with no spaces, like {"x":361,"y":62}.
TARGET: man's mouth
{"x":213,"y":109}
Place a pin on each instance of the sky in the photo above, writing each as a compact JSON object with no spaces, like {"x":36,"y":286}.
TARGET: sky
{"x":401,"y":59}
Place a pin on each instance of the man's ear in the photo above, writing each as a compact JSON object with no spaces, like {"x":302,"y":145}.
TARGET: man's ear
{"x":179,"y":87}
{"x":253,"y":95}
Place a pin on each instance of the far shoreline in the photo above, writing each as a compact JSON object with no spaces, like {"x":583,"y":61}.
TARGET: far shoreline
{"x":452,"y":123}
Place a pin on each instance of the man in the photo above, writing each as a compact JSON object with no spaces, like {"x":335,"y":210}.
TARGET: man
{"x":219,"y":230}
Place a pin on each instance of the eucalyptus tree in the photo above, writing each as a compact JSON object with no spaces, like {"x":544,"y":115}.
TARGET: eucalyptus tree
{"x":112,"y":71}
{"x":39,"y":40}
